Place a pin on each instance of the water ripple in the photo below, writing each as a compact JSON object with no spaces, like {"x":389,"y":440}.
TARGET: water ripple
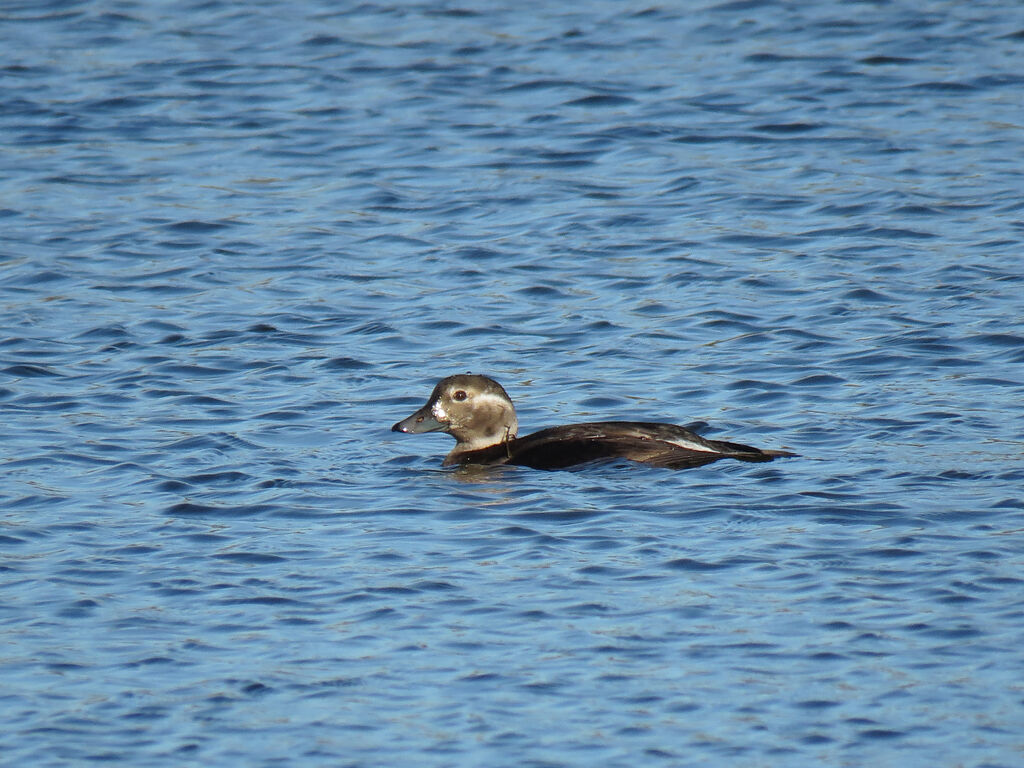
{"x":240,"y":243}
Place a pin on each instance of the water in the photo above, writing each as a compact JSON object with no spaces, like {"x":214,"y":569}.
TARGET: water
{"x":239,"y":242}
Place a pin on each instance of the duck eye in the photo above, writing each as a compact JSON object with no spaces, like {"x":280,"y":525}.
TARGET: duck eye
{"x":459,"y":394}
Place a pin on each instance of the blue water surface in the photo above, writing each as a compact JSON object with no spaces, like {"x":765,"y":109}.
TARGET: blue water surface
{"x":239,"y":240}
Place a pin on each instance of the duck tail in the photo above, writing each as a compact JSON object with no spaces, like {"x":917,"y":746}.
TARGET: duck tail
{"x":762,"y":455}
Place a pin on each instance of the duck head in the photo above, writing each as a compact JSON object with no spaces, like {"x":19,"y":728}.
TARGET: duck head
{"x":473,"y":409}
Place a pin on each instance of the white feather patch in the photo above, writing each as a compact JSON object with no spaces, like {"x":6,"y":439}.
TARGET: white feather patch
{"x":692,"y":446}
{"x":492,"y":399}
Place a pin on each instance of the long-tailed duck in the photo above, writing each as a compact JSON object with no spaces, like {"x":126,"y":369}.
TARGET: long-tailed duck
{"x":479,"y":414}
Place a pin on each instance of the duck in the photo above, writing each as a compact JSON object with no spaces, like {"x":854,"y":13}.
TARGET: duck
{"x":477,"y":411}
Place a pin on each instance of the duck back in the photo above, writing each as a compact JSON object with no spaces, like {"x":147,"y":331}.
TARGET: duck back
{"x":654,"y":444}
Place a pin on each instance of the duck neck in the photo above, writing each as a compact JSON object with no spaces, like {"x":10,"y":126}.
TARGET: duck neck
{"x":478,"y":441}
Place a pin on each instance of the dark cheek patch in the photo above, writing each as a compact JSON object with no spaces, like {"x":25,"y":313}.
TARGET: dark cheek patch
{"x":488,"y":420}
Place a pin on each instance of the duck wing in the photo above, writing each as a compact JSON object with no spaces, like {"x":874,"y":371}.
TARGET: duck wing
{"x":654,"y":444}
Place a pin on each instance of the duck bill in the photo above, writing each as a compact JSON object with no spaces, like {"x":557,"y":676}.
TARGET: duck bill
{"x":421,"y":421}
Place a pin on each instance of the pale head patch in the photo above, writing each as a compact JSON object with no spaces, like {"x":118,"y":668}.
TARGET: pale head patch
{"x":491,"y":400}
